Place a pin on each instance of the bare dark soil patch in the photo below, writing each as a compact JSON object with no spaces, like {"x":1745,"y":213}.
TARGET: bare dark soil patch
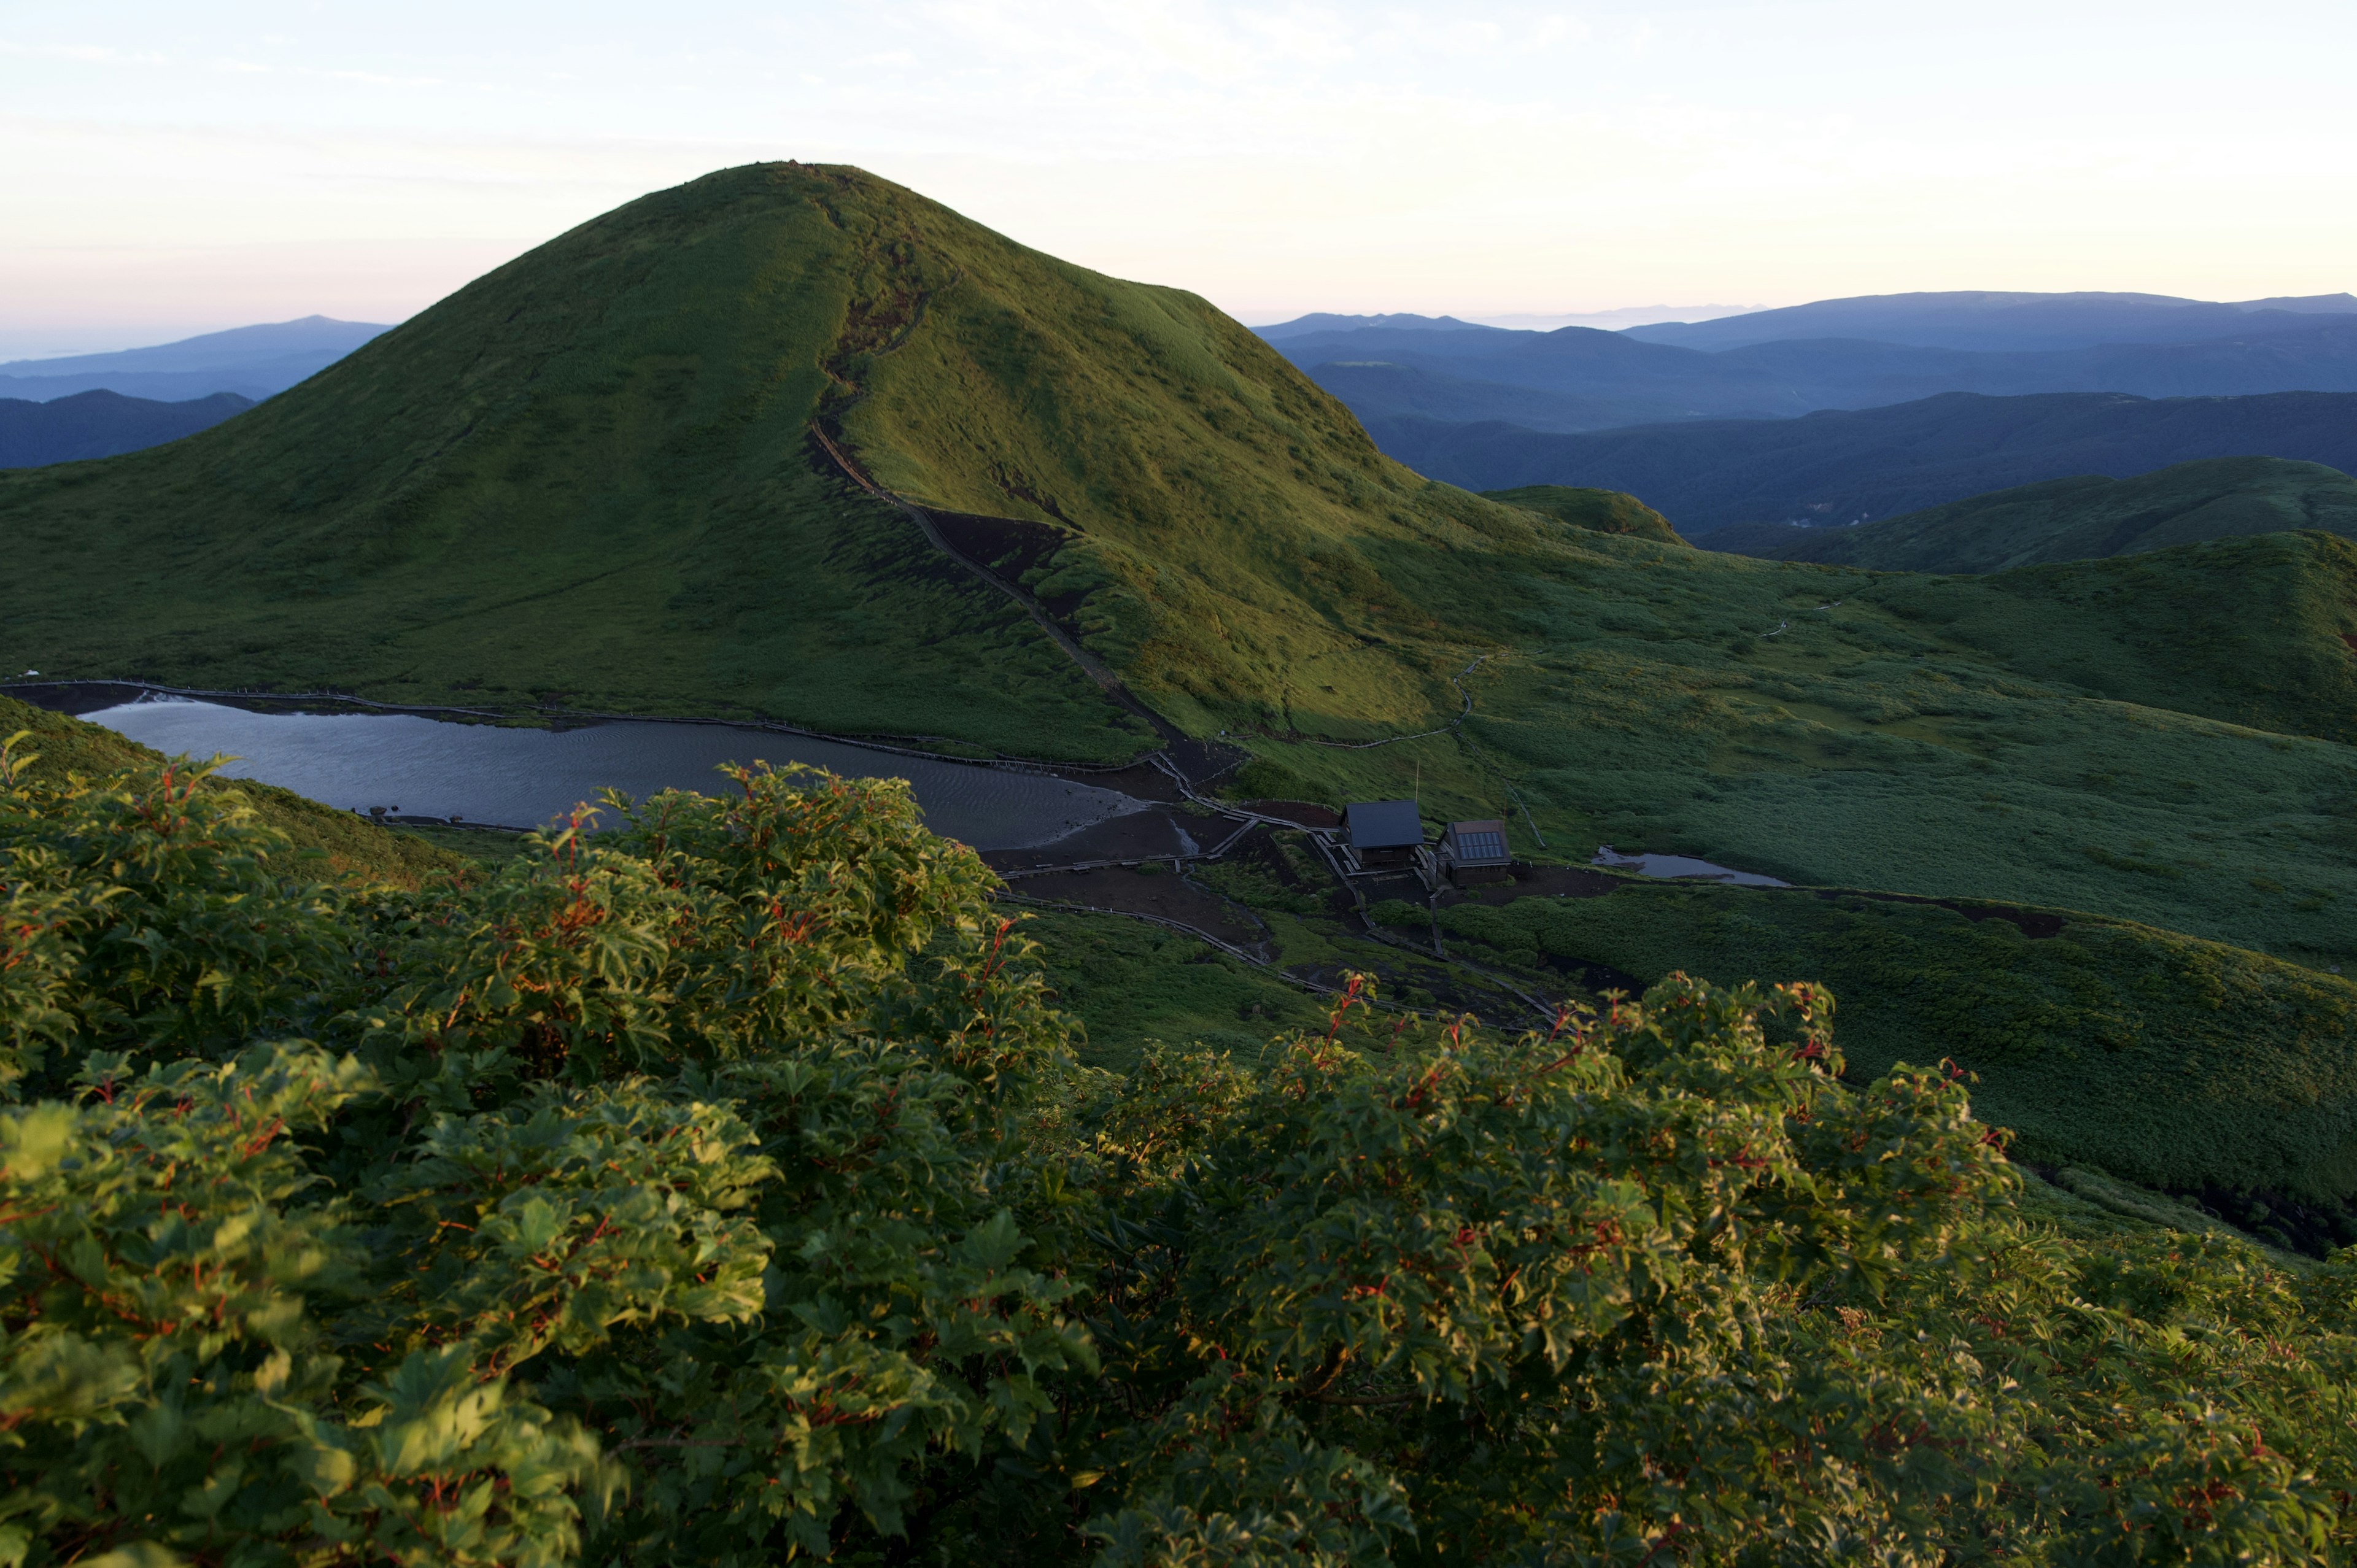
{"x":1301,"y":873}
{"x":1538,"y":881}
{"x":1155,"y":834}
{"x":1164,"y":895}
{"x":1008,"y":546}
{"x":1139,"y":781}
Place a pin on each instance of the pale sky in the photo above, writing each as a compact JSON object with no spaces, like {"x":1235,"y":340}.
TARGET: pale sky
{"x":171,"y":169}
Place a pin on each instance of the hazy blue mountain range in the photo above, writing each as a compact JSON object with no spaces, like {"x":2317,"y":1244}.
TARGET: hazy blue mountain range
{"x":1847,"y":465}
{"x":252,"y":361}
{"x":100,"y":425}
{"x":1326,"y":321}
{"x":1986,"y":320}
{"x":1579,"y":378}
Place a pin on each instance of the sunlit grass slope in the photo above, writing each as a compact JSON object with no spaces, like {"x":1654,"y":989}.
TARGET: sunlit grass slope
{"x":354,"y":850}
{"x":2083,"y":519}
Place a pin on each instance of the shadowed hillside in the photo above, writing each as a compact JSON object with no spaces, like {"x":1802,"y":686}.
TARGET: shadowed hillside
{"x":2076,"y":520}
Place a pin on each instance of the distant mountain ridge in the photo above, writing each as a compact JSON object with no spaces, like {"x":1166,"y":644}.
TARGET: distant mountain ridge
{"x":1578,"y":379}
{"x":1861,"y":464}
{"x":2083,"y":518}
{"x":1326,"y":321}
{"x":102,"y":424}
{"x":255,"y":362}
{"x":1989,"y":320}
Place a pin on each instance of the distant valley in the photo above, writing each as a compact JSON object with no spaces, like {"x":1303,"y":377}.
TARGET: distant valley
{"x":1842,"y":465}
{"x":102,"y":405}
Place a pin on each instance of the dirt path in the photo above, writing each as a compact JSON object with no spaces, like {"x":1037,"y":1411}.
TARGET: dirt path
{"x":1198,"y":762}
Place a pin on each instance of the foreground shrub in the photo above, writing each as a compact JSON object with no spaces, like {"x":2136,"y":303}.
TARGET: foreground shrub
{"x":722,"y":1188}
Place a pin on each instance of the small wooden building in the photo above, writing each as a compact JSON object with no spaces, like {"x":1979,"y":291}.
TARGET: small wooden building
{"x":1475,"y":851}
{"x":1379,"y":835}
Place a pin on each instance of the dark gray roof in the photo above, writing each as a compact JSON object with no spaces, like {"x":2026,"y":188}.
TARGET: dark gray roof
{"x":1383,"y":824}
{"x":1473,"y":842}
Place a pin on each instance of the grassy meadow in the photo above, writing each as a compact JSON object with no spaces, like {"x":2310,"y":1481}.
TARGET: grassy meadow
{"x":2034,"y":736}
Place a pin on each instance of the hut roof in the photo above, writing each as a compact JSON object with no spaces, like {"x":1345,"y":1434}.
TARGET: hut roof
{"x":1383,"y":824}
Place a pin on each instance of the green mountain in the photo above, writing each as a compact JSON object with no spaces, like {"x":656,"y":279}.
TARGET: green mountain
{"x":600,"y":477}
{"x":2077,"y":519}
{"x":591,"y":474}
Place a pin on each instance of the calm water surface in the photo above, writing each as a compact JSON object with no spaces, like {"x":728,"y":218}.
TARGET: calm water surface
{"x":522,"y":777}
{"x":1682,"y":866}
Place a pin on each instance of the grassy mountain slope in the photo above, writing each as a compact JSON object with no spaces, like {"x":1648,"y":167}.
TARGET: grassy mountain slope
{"x":589,"y":476}
{"x":2078,"y":519}
{"x":1603,"y":512}
{"x":357,"y":851}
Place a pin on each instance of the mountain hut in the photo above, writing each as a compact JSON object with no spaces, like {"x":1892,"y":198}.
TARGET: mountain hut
{"x":1381,"y":835}
{"x":1475,"y":851}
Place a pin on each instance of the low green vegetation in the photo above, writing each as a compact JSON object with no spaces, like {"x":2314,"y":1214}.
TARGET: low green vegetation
{"x":2171,"y":1062}
{"x":725,"y":1190}
{"x":2082,"y":519}
{"x":350,"y":848}
{"x":1605,"y":512}
{"x":1130,"y":984}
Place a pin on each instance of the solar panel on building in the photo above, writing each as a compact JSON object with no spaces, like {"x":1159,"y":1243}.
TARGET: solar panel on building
{"x":1475,"y":843}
